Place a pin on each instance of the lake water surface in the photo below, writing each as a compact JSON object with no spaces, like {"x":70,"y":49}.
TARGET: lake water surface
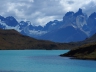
{"x":42,"y":61}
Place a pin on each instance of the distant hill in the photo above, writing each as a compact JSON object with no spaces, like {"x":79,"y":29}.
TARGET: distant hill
{"x":87,"y":51}
{"x":89,"y":40}
{"x":11,"y":39}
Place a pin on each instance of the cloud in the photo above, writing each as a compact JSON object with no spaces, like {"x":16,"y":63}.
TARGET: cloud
{"x":43,"y":20}
{"x":31,"y":0}
{"x":90,"y":8}
{"x":74,"y":5}
{"x":70,"y":2}
{"x":39,"y":12}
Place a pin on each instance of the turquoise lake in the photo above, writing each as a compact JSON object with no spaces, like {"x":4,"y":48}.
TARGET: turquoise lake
{"x":42,"y":61}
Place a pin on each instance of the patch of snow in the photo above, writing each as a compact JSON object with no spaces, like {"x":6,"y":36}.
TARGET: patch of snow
{"x":21,"y":23}
{"x":16,"y":28}
{"x":37,"y":32}
{"x":10,"y":27}
{"x":81,"y":21}
{"x":29,"y":23}
{"x":74,"y":26}
{"x":53,"y":24}
{"x":2,"y":23}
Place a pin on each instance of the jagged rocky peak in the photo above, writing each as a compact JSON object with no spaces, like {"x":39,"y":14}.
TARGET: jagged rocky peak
{"x":79,"y":12}
{"x":11,"y":21}
{"x":2,"y":18}
{"x":11,"y":18}
{"x":29,"y":23}
{"x":55,"y":21}
{"x":93,"y":15}
{"x":70,"y":13}
{"x":52,"y":23}
{"x":23,"y":24}
{"x":70,"y":16}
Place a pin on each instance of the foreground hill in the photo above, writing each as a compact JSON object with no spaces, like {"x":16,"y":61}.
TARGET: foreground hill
{"x":87,"y":51}
{"x":11,"y":39}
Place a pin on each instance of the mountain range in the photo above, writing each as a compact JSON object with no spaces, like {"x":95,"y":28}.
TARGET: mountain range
{"x":72,"y":28}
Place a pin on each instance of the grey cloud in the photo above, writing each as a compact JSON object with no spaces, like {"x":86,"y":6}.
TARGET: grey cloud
{"x":90,"y":8}
{"x":70,"y":2}
{"x":41,"y":10}
{"x":36,"y":10}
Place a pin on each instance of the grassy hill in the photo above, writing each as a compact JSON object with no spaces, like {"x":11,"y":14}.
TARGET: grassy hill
{"x":87,"y":51}
{"x":11,"y":39}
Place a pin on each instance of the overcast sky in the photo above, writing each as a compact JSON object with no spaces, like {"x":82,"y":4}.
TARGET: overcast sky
{"x":39,"y":12}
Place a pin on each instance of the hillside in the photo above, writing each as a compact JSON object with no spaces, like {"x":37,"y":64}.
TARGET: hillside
{"x":89,"y":40}
{"x":11,"y":39}
{"x":87,"y":51}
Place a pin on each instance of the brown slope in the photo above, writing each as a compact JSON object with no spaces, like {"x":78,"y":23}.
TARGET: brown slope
{"x":87,"y":51}
{"x":11,"y":39}
{"x":91,"y":39}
